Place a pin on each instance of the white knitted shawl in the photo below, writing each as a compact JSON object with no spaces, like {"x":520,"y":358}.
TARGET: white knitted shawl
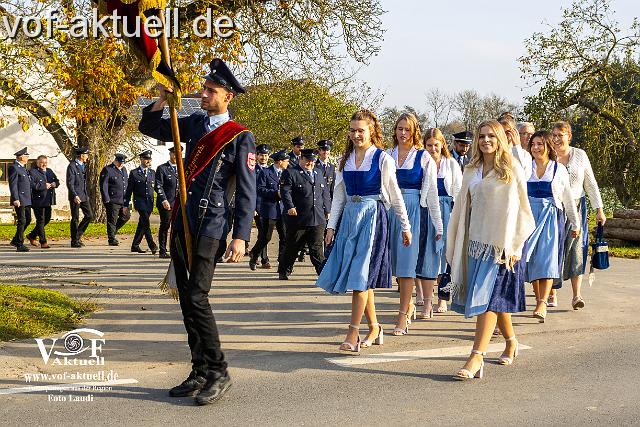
{"x":501,"y":220}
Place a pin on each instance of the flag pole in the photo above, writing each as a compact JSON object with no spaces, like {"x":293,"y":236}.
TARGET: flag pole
{"x":163,"y":44}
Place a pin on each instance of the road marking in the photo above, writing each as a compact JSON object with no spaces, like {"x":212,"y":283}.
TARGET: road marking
{"x":60,"y":387}
{"x":413,"y":355}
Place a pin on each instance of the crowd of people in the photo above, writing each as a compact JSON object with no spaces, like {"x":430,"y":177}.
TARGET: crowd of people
{"x":469,"y":222}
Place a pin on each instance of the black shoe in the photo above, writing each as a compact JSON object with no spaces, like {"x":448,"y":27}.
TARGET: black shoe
{"x":164,"y":254}
{"x":14,"y":244}
{"x":189,"y":387}
{"x":138,"y":249}
{"x":76,"y":245}
{"x":154,"y":250}
{"x":113,"y":243}
{"x":283,"y":276}
{"x":81,"y":244}
{"x":214,"y":389}
{"x":301,"y":257}
{"x":253,"y":264}
{"x":22,"y":248}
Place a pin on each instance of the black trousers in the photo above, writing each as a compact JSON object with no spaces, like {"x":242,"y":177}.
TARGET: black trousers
{"x":78,"y":229}
{"x":23,"y":219}
{"x":199,"y":322}
{"x":116,"y":218}
{"x":296,"y":237}
{"x":265,"y":232}
{"x":143,"y":230}
{"x":163,"y":232}
{"x":43,"y":216}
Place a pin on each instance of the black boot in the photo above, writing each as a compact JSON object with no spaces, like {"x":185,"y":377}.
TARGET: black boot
{"x":216,"y":386}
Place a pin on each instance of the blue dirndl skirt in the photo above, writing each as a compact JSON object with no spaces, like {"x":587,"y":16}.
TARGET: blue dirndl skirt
{"x":492,"y":287}
{"x":542,"y":258}
{"x":405,"y":258}
{"x":359,"y":258}
{"x":432,"y":260}
{"x":574,"y":252}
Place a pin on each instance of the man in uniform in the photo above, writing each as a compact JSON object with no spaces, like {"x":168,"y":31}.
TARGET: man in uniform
{"x":270,"y":208}
{"x":78,"y":198}
{"x":113,"y":187}
{"x":297,"y":144}
{"x":43,"y":195}
{"x":328,"y":169}
{"x":220,"y":153}
{"x":20,"y":189}
{"x":141,"y":181}
{"x":305,"y":196}
{"x":262,"y":153}
{"x":167,"y":190}
{"x":461,"y":143}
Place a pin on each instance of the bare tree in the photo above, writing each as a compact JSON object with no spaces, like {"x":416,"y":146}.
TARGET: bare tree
{"x":440,"y":106}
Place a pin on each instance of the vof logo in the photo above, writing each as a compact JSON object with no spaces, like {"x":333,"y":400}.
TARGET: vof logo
{"x":74,"y":345}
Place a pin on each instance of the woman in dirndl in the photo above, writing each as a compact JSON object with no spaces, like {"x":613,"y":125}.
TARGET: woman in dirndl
{"x":432,"y":261}
{"x":416,"y":175}
{"x":583,"y":183}
{"x":365,"y":186}
{"x":549,"y":190}
{"x":489,"y":224}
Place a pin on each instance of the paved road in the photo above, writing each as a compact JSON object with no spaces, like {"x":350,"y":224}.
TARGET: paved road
{"x":281,"y":340}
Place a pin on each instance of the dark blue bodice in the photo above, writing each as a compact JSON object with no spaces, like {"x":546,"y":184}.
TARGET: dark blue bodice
{"x":411,"y":178}
{"x":541,"y":189}
{"x":441,"y":190}
{"x":364,"y":183}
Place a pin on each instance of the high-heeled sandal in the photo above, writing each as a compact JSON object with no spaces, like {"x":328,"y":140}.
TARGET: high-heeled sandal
{"x":552,"y":301}
{"x":577,"y":302}
{"x":505,"y":360}
{"x":442,"y":309}
{"x":352,"y":348}
{"x":427,"y":310}
{"x":541,"y":315}
{"x":411,"y":312}
{"x":419,"y":302}
{"x":379,"y":340}
{"x":398,"y":331}
{"x":465,"y":374}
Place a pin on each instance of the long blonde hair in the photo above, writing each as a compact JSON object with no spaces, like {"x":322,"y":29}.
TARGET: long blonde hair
{"x":416,"y":135}
{"x":503,"y":161}
{"x":436,"y":134}
{"x":375,"y":130}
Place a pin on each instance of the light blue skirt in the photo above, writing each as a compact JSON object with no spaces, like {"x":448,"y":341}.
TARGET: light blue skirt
{"x":362,"y":238}
{"x":481,"y":279}
{"x":404,"y":258}
{"x":543,"y":244}
{"x":432,"y":260}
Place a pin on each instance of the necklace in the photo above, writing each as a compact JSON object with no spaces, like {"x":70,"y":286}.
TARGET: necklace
{"x":402,"y":159}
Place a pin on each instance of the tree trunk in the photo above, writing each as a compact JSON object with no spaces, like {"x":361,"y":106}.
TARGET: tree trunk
{"x":622,"y":234}
{"x":626,"y":214}
{"x":633,"y":224}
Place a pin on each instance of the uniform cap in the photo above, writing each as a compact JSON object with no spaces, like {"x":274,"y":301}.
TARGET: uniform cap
{"x":280,"y":155}
{"x":22,"y":152}
{"x":146,"y":154}
{"x":465,"y":137}
{"x":298,"y":140}
{"x":221,"y":74}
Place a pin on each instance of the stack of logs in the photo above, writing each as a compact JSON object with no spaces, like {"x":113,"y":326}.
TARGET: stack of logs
{"x":625,"y":225}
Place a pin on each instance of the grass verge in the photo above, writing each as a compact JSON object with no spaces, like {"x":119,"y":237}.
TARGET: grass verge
{"x":27,"y":312}
{"x":60,"y":230}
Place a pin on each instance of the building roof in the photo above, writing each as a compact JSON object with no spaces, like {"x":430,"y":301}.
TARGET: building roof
{"x":189,"y":106}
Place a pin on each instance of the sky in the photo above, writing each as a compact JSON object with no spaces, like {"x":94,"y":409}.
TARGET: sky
{"x":456,"y":45}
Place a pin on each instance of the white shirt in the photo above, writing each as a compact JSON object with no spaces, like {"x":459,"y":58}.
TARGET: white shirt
{"x":523,"y":157}
{"x":429,"y":191}
{"x":581,"y":177}
{"x":452,"y":174}
{"x":390,"y":191}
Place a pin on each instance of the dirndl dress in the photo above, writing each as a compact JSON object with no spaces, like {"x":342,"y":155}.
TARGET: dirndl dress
{"x":574,"y":251}
{"x":492,"y":287}
{"x":542,"y":253}
{"x":359,"y":259}
{"x":405,"y":258}
{"x":432,"y":260}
